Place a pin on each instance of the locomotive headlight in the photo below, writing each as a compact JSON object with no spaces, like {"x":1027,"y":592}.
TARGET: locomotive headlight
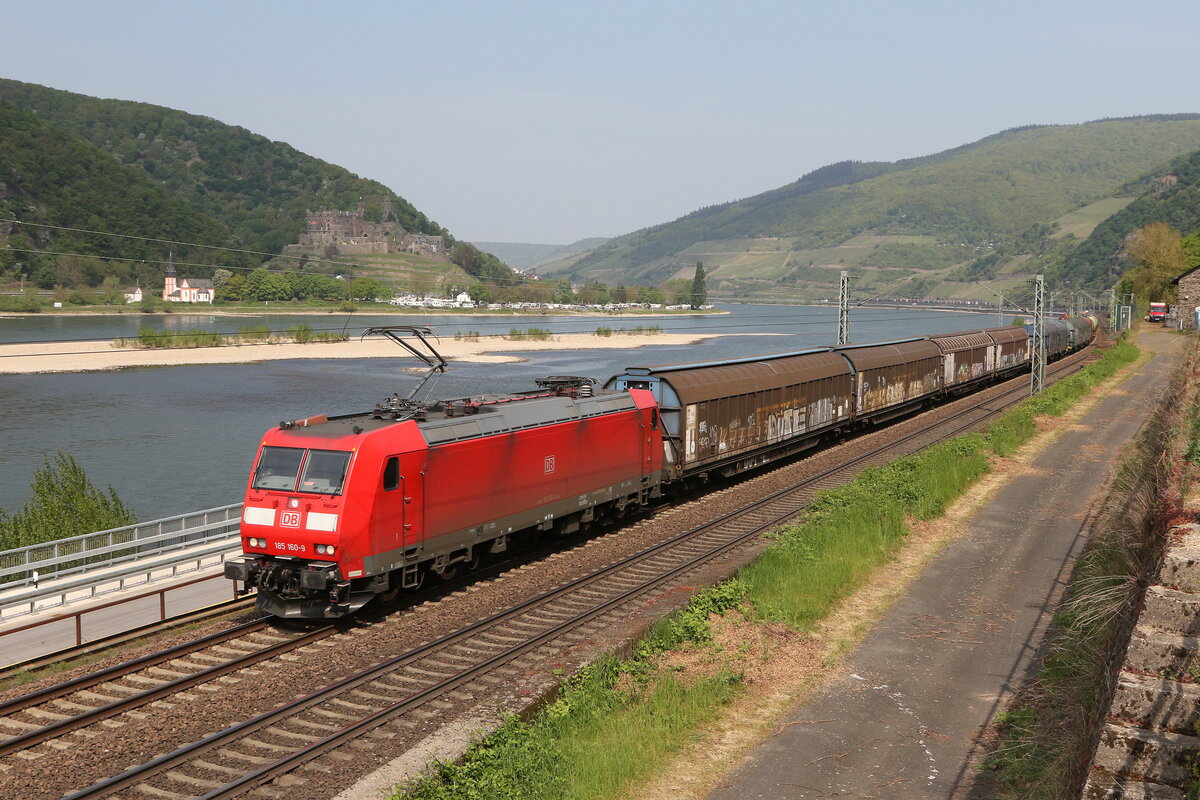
{"x":324,"y":549}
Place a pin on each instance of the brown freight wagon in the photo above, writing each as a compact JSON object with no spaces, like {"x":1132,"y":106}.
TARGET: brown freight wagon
{"x":1012,"y":348}
{"x":733,"y":415}
{"x":967,"y":357}
{"x":893,"y":377}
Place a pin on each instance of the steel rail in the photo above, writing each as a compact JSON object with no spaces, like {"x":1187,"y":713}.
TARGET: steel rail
{"x":166,"y":689}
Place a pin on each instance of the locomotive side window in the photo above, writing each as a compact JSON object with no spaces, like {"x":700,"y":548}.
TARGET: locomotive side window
{"x":654,"y":419}
{"x":324,"y":471}
{"x":278,"y":467}
{"x":391,"y":474}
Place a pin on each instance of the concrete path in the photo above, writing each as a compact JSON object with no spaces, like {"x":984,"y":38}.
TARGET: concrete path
{"x":906,"y":717}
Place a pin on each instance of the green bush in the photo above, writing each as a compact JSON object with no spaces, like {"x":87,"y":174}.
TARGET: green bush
{"x":154,"y":339}
{"x":24,"y":305}
{"x":301,"y":333}
{"x":63,"y":503}
{"x":255,"y":333}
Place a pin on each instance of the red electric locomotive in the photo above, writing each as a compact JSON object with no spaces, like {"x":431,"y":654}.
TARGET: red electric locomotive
{"x":341,"y":509}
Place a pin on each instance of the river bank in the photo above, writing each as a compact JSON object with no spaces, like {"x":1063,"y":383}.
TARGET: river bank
{"x":383,"y":308}
{"x":92,"y":356}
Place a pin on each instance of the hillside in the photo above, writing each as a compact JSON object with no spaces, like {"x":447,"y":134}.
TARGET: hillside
{"x":52,"y":178}
{"x":1170,"y":195}
{"x":528,"y":256}
{"x":921,"y":217}
{"x":256,"y":188}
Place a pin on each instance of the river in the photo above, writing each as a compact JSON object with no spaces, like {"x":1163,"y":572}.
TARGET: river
{"x":170,"y":440}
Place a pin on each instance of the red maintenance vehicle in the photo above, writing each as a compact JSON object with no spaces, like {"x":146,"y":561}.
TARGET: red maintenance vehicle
{"x":1158,"y":312}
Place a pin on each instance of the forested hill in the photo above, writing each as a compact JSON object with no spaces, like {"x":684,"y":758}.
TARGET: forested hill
{"x":50,"y":177}
{"x":256,"y":188}
{"x":967,"y":199}
{"x":1170,"y":195}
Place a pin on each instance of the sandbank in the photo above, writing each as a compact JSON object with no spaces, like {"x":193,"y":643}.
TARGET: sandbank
{"x":95,"y":355}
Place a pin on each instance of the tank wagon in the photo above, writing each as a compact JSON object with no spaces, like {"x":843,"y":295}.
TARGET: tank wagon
{"x":341,"y":509}
{"x":1063,"y":336}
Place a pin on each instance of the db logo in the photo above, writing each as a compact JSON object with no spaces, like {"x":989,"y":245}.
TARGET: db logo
{"x":289,"y":519}
{"x":549,"y":464}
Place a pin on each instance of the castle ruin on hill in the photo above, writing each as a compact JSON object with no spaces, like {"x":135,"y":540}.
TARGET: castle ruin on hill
{"x":347,"y":233}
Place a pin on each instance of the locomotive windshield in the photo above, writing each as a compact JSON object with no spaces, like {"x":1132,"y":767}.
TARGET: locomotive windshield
{"x":324,"y":471}
{"x":278,"y":468}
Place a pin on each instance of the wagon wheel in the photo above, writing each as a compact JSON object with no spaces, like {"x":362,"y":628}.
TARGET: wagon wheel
{"x":472,"y":563}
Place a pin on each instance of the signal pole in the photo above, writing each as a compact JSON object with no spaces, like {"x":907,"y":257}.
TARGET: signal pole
{"x":1037,"y":370}
{"x":844,"y":309}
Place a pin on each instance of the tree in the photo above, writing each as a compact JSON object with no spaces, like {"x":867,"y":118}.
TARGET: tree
{"x":650,"y":295}
{"x":1157,"y":252}
{"x":110,"y":291}
{"x":221,"y":277}
{"x":367,"y":289}
{"x":699,"y":295}
{"x":234,"y":289}
{"x":63,"y":503}
{"x":594,"y":294}
{"x":1191,"y":249}
{"x":480,"y":293}
{"x":562,"y":292}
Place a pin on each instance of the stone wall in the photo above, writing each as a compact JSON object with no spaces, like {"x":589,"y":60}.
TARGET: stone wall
{"x":1189,"y":298}
{"x":1150,"y":747}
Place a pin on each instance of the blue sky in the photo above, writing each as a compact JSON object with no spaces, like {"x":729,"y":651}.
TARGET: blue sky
{"x":551,"y":121}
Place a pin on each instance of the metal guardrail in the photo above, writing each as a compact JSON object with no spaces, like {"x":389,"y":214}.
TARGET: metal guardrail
{"x":142,"y":572}
{"x":106,"y":549}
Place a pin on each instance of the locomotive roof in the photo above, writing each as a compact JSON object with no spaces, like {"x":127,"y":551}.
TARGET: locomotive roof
{"x":471,"y":417}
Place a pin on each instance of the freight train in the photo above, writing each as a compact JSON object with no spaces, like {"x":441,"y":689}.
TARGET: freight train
{"x":340,"y":510}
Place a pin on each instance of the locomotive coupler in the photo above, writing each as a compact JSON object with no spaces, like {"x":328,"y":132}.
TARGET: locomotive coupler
{"x":319,"y":576}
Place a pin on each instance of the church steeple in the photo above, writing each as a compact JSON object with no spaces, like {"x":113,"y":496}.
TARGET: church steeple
{"x":169,"y":282}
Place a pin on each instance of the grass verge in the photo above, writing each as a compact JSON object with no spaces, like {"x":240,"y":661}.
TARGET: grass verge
{"x":616,"y":721}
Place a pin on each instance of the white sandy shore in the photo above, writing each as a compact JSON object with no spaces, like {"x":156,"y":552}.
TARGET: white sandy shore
{"x":89,"y":356}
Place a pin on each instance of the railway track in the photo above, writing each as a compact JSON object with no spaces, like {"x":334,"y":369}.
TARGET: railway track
{"x":404,"y":692}
{"x":51,"y":712}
